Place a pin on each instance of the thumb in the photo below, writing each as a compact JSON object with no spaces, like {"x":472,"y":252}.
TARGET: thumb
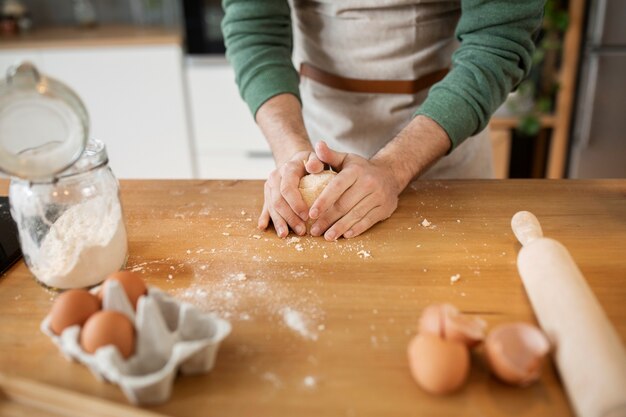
{"x":313,"y":165}
{"x":328,"y":156}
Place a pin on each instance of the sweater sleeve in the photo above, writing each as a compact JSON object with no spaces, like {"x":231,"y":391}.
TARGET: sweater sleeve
{"x":494,"y":57}
{"x":259,"y":43}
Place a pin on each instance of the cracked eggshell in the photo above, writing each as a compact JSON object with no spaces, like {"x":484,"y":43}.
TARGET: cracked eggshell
{"x":446,"y":321}
{"x":438,"y":366}
{"x":515,"y":352}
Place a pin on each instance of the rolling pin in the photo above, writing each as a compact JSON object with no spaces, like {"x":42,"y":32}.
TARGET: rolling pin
{"x":587,"y":350}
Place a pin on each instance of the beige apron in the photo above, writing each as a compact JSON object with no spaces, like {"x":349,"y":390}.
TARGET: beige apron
{"x":378,"y":40}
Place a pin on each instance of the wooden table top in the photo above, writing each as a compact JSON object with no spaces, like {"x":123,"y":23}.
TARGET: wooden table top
{"x":359,"y":300}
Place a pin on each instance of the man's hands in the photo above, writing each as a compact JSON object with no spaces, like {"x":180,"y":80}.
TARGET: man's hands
{"x":366,"y":191}
{"x":280,"y":120}
{"x":283,"y":202}
{"x":362,"y":194}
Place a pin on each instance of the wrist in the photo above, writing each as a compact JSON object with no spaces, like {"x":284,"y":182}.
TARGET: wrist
{"x":397,"y":175}
{"x":288,"y":148}
{"x":416,"y":148}
{"x":280,"y":120}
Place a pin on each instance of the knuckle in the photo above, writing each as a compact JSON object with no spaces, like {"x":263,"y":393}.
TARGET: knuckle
{"x":292,"y":167}
{"x":342,"y":206}
{"x":358,"y":213}
{"x":291,"y":219}
{"x":294,"y":163}
{"x":274,"y":176}
{"x":357,"y":169}
{"x":276,"y":199}
{"x":369,"y":181}
{"x":339,"y":183}
{"x":286,"y":189}
{"x":278,"y":222}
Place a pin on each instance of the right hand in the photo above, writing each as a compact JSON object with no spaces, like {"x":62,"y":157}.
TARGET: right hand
{"x":283,"y":203}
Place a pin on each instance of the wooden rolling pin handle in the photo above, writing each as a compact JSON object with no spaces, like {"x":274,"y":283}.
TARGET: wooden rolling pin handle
{"x":587,"y":350}
{"x":526,"y":227}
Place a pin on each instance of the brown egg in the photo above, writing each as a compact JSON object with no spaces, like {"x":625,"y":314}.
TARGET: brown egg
{"x":133,"y":284}
{"x":72,"y":307}
{"x":108,"y":328}
{"x":438,"y":366}
{"x":449,"y":323}
{"x":515,"y":352}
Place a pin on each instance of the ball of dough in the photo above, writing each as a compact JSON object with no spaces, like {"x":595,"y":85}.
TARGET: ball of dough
{"x":311,"y":186}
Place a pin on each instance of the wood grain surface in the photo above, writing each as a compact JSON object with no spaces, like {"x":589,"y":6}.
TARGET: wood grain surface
{"x":358,"y":299}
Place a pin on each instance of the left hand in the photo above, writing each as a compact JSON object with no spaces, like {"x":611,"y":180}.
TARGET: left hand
{"x":362,"y":194}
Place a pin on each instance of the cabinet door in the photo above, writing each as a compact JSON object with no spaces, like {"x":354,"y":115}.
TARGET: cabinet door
{"x":136,"y":103}
{"x":235,"y":165}
{"x":220,"y":118}
{"x":228,"y":141}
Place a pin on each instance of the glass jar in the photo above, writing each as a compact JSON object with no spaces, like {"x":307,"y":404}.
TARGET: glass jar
{"x":44,"y":125}
{"x":71,"y":228}
{"x":63,"y":195}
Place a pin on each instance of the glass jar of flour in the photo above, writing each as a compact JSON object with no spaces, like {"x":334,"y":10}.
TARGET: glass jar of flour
{"x":63,"y":194}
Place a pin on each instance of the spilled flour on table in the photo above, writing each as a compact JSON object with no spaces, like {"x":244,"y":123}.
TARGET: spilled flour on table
{"x":246,"y":296}
{"x":309,"y":381}
{"x":296,"y":322}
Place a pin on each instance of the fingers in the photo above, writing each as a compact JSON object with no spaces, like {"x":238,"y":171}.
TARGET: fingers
{"x":280,"y":225}
{"x":264,"y":218}
{"x":290,"y":174}
{"x":313,"y":165}
{"x":374,"y":216}
{"x":328,"y":156}
{"x":280,"y":212}
{"x":333,"y":192}
{"x":348,"y":202}
{"x":353,"y":216}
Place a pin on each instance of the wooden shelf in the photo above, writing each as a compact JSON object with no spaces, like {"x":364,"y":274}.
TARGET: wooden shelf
{"x":546,"y":121}
{"x":105,"y":35}
{"x":559,"y":122}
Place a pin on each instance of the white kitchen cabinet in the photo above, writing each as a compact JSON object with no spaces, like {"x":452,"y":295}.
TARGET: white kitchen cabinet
{"x":220,"y":164}
{"x":228,"y":142}
{"x":135,"y":99}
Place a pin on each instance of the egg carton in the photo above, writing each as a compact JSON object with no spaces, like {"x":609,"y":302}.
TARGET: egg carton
{"x":170,"y":336}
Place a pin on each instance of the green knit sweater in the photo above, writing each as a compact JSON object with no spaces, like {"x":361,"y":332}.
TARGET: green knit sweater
{"x":494,"y":56}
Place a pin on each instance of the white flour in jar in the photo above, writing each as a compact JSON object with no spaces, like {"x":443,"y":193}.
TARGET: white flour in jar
{"x":85,"y":244}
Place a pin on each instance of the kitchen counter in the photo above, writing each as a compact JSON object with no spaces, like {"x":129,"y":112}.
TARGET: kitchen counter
{"x":108,"y":35}
{"x":359,"y":300}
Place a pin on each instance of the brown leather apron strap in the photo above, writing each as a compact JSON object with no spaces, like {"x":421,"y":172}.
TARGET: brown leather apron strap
{"x":371,"y":86}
